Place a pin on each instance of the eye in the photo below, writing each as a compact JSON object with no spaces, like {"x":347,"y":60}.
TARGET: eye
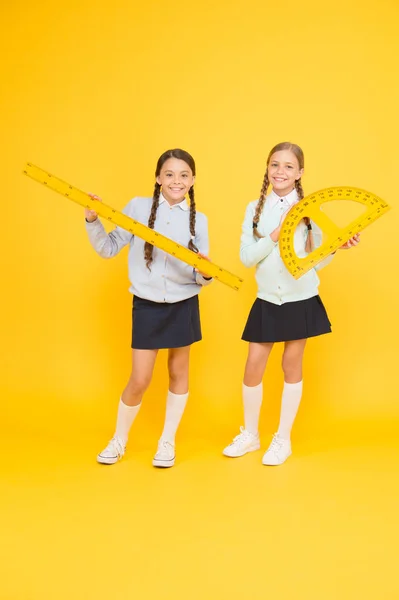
{"x":185,"y":175}
{"x":290,"y":167}
{"x":168,"y":174}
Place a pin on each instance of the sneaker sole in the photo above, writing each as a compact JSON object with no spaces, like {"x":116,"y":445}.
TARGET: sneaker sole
{"x":107,"y":461}
{"x":163,"y":464}
{"x":250,"y":449}
{"x":266,"y":464}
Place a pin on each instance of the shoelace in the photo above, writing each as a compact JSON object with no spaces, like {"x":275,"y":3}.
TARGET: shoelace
{"x":276,"y":444}
{"x":118,"y":446}
{"x":241,"y":437}
{"x":164,"y":446}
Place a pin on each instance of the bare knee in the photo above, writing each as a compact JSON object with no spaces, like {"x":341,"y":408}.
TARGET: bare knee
{"x":138,"y":384}
{"x":254,"y":371}
{"x":258,"y":355}
{"x":292,"y":368}
{"x":254,"y":365}
{"x":178,"y":371}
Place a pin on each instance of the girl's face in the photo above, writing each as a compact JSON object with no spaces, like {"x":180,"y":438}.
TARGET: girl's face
{"x":176,"y":178}
{"x":283,"y":171}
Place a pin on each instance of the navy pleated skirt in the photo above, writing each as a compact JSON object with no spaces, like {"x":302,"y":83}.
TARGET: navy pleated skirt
{"x":157,"y":325}
{"x":299,"y":320}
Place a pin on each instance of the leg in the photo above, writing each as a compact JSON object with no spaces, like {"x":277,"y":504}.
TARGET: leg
{"x":292,"y":393}
{"x":140,"y":378}
{"x":178,"y":366}
{"x":292,"y":361}
{"x":258,"y":355}
{"x":252,"y":390}
{"x":280,"y":448}
{"x":129,"y":404}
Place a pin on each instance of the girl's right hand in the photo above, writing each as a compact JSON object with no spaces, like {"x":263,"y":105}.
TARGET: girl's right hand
{"x":91,"y":215}
{"x":275,"y":234}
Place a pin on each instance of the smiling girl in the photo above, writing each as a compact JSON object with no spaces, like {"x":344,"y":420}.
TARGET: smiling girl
{"x":165,"y":304}
{"x":286,"y":310}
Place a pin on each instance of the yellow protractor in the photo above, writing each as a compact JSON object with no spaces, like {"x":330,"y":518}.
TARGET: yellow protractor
{"x":333,"y":236}
{"x":134,"y":227}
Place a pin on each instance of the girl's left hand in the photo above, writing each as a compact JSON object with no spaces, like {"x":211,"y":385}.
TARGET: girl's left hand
{"x":201,"y":272}
{"x":354,"y":241}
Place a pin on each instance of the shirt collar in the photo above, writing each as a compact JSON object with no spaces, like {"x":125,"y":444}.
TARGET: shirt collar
{"x":288,"y":200}
{"x":183,"y":204}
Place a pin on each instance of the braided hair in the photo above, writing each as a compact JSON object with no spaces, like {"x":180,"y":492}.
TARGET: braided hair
{"x":309,"y":247}
{"x":148,"y":248}
{"x":188,"y":159}
{"x":261,"y":201}
{"x":191,"y":244}
{"x":298,"y":186}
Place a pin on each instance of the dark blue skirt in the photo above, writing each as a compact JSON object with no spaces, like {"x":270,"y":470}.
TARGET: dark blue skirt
{"x":158,"y":325}
{"x":268,"y":323}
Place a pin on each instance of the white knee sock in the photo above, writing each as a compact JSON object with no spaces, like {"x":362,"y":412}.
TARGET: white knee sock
{"x":175,"y":405}
{"x":290,"y":401}
{"x":252,"y":397}
{"x":124,"y":421}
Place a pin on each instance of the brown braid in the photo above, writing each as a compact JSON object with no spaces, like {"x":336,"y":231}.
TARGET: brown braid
{"x":309,"y":247}
{"x":261,"y":203}
{"x":191,"y":244}
{"x":149,"y":248}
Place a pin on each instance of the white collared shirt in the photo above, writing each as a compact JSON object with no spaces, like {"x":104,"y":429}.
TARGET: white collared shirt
{"x":183,"y":204}
{"x":275,"y":283}
{"x":169,"y":280}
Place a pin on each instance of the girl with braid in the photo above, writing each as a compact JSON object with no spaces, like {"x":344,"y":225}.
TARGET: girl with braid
{"x":165,"y":304}
{"x":286,"y":310}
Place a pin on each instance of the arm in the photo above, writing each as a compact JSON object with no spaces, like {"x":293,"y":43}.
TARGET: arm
{"x":253,"y":249}
{"x":105,"y":244}
{"x":202,"y":243}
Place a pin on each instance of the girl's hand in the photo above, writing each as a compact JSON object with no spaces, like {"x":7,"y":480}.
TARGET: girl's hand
{"x":354,"y":241}
{"x":91,"y":215}
{"x":275,"y":234}
{"x":201,"y":272}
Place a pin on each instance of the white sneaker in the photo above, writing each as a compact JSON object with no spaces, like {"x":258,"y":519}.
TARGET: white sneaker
{"x":244,"y":442}
{"x":113,"y":452}
{"x":165,"y":456}
{"x":278,"y":452}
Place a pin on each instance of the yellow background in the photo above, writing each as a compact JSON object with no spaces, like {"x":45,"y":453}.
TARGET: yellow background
{"x":95,"y":92}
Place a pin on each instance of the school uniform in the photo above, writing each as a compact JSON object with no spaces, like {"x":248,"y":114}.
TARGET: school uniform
{"x":286,"y":308}
{"x":165,"y":310}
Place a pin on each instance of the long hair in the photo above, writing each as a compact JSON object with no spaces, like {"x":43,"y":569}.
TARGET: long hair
{"x":298,"y":186}
{"x":188,"y":159}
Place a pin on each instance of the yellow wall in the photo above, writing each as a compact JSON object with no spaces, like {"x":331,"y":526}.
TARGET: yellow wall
{"x":94,"y":92}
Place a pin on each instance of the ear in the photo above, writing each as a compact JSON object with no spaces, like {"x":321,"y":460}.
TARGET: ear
{"x":193,"y":180}
{"x":300,"y":174}
{"x":158,"y":180}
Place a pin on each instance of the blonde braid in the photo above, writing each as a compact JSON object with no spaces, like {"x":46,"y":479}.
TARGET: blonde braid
{"x":260,"y":205}
{"x":148,"y":248}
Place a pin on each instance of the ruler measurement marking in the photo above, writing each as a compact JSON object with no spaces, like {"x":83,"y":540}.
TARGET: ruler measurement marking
{"x":334,"y":235}
{"x":134,"y":227}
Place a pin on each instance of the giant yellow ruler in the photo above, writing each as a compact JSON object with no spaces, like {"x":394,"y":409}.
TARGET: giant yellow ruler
{"x":134,"y":227}
{"x":333,"y":236}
